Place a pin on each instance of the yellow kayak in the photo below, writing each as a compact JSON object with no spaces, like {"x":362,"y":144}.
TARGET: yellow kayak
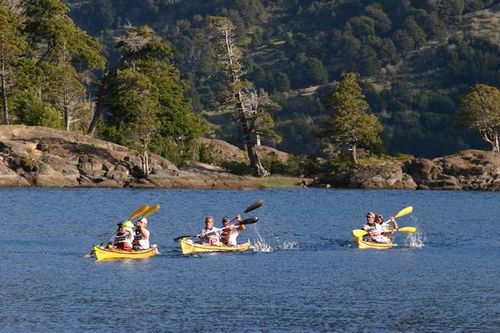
{"x":362,"y":244}
{"x":107,"y":254}
{"x":189,"y":247}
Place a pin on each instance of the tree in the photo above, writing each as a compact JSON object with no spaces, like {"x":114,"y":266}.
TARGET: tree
{"x":136,"y":103}
{"x":144,"y":95}
{"x":349,"y":125}
{"x":480,"y":110}
{"x":249,"y":105}
{"x":63,"y":52}
{"x":12,"y":45}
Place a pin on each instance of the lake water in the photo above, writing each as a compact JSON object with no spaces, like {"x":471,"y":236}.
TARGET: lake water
{"x":305,"y":275}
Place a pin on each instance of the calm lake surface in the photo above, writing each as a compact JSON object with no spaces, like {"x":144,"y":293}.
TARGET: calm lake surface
{"x":304,"y":276}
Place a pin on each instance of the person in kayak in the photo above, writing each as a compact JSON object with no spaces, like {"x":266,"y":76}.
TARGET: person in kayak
{"x":373,"y":229}
{"x":370,"y":222}
{"x":141,"y":235}
{"x":230,"y":232}
{"x":383,"y":231}
{"x":210,"y":235}
{"x":389,"y":227}
{"x":123,"y":238}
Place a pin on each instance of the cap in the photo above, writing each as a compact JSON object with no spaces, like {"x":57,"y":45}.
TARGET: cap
{"x":226,"y":218}
{"x":143,"y":220}
{"x":127,"y":224}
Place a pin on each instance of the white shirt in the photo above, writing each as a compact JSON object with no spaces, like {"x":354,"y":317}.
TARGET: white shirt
{"x":144,"y":241}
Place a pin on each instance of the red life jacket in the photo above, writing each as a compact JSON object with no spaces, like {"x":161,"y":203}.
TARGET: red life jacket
{"x":123,"y":242}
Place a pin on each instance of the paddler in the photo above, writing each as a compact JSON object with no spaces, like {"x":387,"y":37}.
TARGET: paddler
{"x":386,"y":226}
{"x":141,"y":235}
{"x":230,"y":232}
{"x":370,"y":222}
{"x":124,"y":237}
{"x":210,"y":235}
{"x":374,"y":230}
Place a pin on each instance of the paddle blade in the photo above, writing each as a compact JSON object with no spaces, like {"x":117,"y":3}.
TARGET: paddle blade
{"x":151,"y":210}
{"x":409,"y":230}
{"x":177,"y":239}
{"x":255,"y":205}
{"x":359,"y":233}
{"x":404,"y":212}
{"x":138,"y":212}
{"x":250,"y":220}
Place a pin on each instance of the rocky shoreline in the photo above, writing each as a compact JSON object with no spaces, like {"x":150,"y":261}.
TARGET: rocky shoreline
{"x":45,"y":157}
{"x":471,"y":170}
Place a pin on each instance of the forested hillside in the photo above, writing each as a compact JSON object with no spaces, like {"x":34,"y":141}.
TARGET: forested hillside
{"x":415,"y":58}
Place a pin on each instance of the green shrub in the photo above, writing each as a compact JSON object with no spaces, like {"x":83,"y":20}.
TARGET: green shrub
{"x":34,"y":112}
{"x":237,"y":168}
{"x":274,"y":165}
{"x":207,"y":154}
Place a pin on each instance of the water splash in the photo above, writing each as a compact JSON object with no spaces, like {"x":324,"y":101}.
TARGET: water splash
{"x":289,"y":245}
{"x":260,"y":244}
{"x":416,"y":240}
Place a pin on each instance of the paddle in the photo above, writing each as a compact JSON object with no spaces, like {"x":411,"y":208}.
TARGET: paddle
{"x":254,"y":206}
{"x":138,"y":212}
{"x":150,"y":211}
{"x":251,"y":220}
{"x":405,"y":211}
{"x":409,"y":230}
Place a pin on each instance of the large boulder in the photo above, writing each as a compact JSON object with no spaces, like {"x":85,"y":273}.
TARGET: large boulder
{"x":386,"y":175}
{"x":468,"y":170}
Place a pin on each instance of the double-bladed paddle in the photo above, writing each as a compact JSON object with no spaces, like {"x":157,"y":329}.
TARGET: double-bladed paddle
{"x":250,"y":220}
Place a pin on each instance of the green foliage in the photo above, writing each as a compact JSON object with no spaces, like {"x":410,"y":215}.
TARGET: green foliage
{"x":274,"y":165}
{"x":428,"y":45}
{"x":207,"y":154}
{"x":34,"y":112}
{"x":145,"y":96}
{"x":480,"y":110}
{"x":349,"y":124}
{"x":176,"y":152}
{"x":48,"y":25}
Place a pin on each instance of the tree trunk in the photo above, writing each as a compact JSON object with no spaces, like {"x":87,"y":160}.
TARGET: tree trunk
{"x":67,"y":121}
{"x":5,"y":105}
{"x":97,"y":109}
{"x":145,"y":163}
{"x":250,"y":143}
{"x":491,"y":138}
{"x":354,"y":156}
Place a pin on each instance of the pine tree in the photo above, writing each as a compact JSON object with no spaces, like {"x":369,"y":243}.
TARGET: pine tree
{"x":349,"y":125}
{"x":144,"y":95}
{"x":63,"y":52}
{"x":12,"y":46}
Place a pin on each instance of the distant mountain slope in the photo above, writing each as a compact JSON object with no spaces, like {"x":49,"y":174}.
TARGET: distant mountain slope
{"x":416,"y":58}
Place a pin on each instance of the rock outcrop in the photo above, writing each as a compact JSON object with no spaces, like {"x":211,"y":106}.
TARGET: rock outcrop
{"x":467,"y":170}
{"x":45,"y":157}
